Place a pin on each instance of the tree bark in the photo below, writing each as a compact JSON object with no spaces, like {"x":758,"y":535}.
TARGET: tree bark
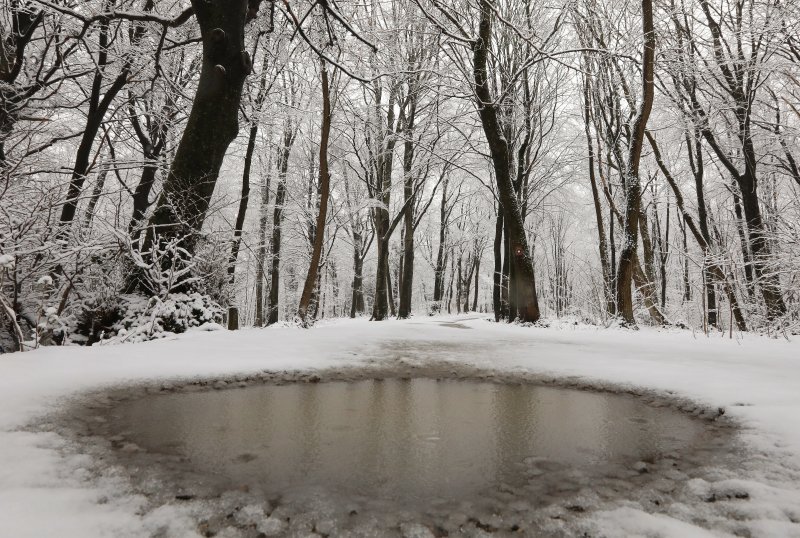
{"x":522,"y":267}
{"x":477,"y":280}
{"x":212,"y":125}
{"x":261,"y":251}
{"x":357,"y":306}
{"x":324,"y":193}
{"x":497,"y":276}
{"x":407,"y":275}
{"x":441,"y":254}
{"x":716,"y":270}
{"x":383,"y":176}
{"x":244,"y":199}
{"x":602,"y":242}
{"x":633,"y":190}
{"x":98,"y":106}
{"x":289,"y":133}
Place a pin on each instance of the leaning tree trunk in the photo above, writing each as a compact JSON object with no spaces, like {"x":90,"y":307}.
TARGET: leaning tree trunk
{"x":633,"y":189}
{"x":99,"y":103}
{"x":713,"y":266}
{"x":212,"y":125}
{"x":324,"y":191}
{"x":522,"y":267}
{"x":244,"y":199}
{"x":602,"y":241}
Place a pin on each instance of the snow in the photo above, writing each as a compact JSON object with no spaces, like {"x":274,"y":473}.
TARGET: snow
{"x":44,"y":488}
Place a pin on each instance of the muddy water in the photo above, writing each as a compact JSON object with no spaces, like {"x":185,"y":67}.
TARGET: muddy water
{"x":400,"y":440}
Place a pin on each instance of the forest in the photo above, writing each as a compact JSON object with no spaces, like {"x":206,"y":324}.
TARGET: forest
{"x":169,"y":164}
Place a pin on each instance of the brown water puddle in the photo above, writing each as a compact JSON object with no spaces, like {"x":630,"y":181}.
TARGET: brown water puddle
{"x":409,"y":441}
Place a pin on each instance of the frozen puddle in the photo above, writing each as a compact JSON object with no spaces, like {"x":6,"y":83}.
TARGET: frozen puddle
{"x":400,"y":452}
{"x":407,"y":441}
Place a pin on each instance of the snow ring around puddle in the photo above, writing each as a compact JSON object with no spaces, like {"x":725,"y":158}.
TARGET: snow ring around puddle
{"x":335,"y":468}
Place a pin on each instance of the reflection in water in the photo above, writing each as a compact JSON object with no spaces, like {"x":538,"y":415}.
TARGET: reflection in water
{"x":399,"y":439}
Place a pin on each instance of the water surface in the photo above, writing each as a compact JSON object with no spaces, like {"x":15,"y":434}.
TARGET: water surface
{"x":394,"y":439}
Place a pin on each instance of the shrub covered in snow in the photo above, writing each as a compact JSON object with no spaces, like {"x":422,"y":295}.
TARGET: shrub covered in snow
{"x":134,"y":318}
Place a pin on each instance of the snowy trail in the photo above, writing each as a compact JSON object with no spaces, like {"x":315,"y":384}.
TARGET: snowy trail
{"x":756,"y":380}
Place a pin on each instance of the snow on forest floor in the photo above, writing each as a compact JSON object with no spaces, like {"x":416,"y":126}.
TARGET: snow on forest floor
{"x":46,"y":486}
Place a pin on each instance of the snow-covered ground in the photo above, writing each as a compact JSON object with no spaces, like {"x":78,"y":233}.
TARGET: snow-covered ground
{"x":46,"y":490}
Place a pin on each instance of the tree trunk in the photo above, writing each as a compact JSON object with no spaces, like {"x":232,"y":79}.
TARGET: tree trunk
{"x":497,"y":276}
{"x":277,"y":223}
{"x":238,"y":227}
{"x":98,"y":106}
{"x":97,"y":191}
{"x":633,"y":190}
{"x":647,"y":286}
{"x":212,"y":125}
{"x":141,"y":196}
{"x":407,"y":274}
{"x":477,"y":280}
{"x":441,"y":255}
{"x":389,"y":287}
{"x":602,"y":242}
{"x":324,"y":192}
{"x":357,"y":302}
{"x":459,"y":286}
{"x":717,"y":271}
{"x":524,"y":281}
{"x":261,"y":252}
{"x":248,"y":163}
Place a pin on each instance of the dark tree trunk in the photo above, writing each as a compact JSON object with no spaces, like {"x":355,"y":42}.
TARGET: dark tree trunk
{"x":523,"y":279}
{"x":141,"y":196}
{"x":277,"y":222}
{"x":687,"y":286}
{"x":98,"y":106}
{"x":459,"y":287}
{"x":261,"y":251}
{"x":389,"y":288}
{"x":647,"y":286}
{"x":407,"y":273}
{"x":324,"y":192}
{"x":212,"y":125}
{"x":275,"y":251}
{"x":97,"y":191}
{"x":244,"y":199}
{"x":380,"y":307}
{"x":441,"y":255}
{"x":497,"y":276}
{"x":602,"y":242}
{"x":768,"y":282}
{"x":468,"y":283}
{"x":24,"y":22}
{"x":698,"y":170}
{"x":477,"y":280}
{"x":743,"y":94}
{"x":633,"y":190}
{"x":717,"y":271}
{"x":357,"y":302}
{"x":741,"y":228}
